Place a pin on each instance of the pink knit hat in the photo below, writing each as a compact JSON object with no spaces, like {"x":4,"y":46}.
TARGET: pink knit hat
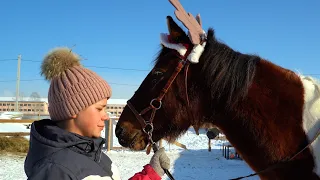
{"x":72,"y":87}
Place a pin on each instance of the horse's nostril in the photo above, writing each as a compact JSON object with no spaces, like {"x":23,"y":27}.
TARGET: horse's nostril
{"x":118,"y":131}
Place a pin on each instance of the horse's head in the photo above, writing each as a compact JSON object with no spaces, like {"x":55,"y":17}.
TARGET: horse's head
{"x":163,"y":92}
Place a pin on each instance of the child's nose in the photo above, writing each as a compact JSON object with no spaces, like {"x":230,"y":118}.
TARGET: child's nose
{"x":105,"y":117}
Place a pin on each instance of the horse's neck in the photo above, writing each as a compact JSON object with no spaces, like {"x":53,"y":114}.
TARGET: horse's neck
{"x":260,"y":126}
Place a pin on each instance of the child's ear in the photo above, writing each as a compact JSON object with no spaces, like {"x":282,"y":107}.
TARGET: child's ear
{"x":74,"y":116}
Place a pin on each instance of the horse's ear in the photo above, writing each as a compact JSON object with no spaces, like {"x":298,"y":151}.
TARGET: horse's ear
{"x":175,"y":31}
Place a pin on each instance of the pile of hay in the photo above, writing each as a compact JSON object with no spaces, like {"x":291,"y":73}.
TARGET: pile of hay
{"x":14,"y":145}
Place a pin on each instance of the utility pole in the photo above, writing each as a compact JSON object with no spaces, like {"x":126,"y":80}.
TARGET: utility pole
{"x":18,"y":84}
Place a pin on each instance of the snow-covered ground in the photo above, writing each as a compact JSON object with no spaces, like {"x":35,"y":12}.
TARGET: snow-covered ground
{"x":195,"y":163}
{"x":13,"y":127}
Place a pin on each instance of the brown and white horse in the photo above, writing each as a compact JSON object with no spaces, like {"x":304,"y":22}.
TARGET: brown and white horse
{"x":270,"y":114}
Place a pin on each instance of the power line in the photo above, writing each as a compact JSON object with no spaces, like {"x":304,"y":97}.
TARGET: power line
{"x":100,"y":67}
{"x":124,"y":84}
{"x":29,"y":60}
{"x":121,"y":84}
{"x":311,"y":74}
{"x":8,"y":60}
{"x":116,"y":68}
{"x":106,"y":67}
{"x":21,"y":80}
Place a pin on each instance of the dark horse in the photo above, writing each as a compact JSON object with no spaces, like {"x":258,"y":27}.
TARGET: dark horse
{"x":270,"y":114}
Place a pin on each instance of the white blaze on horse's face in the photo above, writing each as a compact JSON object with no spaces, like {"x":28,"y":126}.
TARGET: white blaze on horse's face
{"x":311,"y":117}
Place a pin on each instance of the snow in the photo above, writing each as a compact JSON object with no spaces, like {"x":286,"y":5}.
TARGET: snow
{"x":194,"y":163}
{"x":13,"y":127}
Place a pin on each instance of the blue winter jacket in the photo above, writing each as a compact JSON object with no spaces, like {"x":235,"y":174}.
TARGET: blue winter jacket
{"x":56,"y":154}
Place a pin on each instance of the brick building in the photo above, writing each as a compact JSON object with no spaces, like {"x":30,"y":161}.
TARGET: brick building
{"x":29,"y":106}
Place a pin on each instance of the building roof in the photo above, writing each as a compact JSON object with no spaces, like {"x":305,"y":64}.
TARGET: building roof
{"x":29,"y":99}
{"x":118,"y":101}
{"x":23,"y":99}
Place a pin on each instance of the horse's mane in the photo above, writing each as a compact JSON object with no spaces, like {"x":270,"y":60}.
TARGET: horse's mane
{"x":227,"y":73}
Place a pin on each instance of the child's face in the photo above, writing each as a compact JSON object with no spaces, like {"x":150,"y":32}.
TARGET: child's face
{"x":90,"y":121}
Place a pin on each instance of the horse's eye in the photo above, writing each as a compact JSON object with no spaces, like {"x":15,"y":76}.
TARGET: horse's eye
{"x":157,"y":76}
{"x":158,"y":73}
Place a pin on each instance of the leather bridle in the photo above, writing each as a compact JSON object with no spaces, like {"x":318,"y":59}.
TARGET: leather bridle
{"x":147,"y":125}
{"x":156,"y":103}
{"x":281,"y":162}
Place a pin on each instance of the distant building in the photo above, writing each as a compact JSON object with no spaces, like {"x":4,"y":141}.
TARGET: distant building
{"x":115,"y":106}
{"x":40,"y":107}
{"x":27,"y":106}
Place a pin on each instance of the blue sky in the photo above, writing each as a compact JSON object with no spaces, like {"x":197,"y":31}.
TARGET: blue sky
{"x":125,"y":34}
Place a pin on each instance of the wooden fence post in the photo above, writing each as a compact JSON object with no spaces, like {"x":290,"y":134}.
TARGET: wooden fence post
{"x":160,"y":143}
{"x":109,"y":134}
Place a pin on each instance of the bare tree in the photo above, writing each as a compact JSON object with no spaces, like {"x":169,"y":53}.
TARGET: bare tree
{"x":21,"y":96}
{"x":35,"y":96}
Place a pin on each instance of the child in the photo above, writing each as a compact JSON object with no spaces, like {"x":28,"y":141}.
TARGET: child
{"x":69,"y":145}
